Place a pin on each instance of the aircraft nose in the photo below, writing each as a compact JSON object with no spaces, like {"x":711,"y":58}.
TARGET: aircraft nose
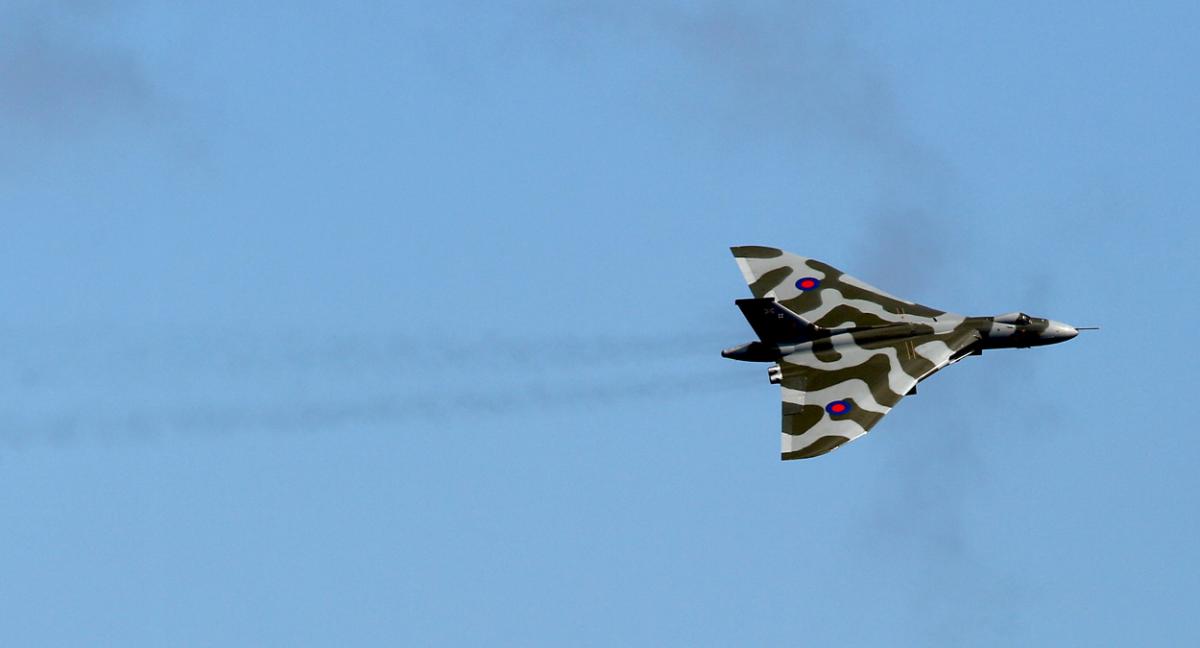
{"x":1059,"y":331}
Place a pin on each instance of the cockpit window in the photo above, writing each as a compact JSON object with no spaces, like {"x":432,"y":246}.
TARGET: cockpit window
{"x":1013,"y":318}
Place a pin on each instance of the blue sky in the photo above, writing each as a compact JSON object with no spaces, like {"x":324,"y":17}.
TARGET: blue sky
{"x":398,"y":324}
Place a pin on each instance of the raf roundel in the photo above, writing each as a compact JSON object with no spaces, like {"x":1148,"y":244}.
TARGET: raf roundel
{"x":807,"y":283}
{"x":839,"y":407}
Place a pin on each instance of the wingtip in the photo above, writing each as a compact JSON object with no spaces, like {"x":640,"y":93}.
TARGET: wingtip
{"x":755,"y":252}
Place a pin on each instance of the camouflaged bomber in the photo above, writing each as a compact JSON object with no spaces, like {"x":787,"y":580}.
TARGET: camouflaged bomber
{"x":846,"y":352}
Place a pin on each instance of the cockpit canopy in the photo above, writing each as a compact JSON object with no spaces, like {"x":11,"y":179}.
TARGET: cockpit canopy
{"x":1013,"y":318}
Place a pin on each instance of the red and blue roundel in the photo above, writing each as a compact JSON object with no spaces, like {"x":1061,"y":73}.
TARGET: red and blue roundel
{"x":807,"y":283}
{"x":839,"y":407}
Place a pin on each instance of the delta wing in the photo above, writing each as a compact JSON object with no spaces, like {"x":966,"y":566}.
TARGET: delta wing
{"x":824,"y":295}
{"x":836,"y":390}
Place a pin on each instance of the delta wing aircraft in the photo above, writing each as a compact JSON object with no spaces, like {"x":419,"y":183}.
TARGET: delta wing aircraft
{"x":845,"y":352}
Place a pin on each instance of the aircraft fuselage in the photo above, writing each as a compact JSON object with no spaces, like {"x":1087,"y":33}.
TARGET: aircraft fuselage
{"x":1010,"y":331}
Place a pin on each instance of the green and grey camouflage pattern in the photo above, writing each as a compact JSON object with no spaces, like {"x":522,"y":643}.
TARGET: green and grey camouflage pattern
{"x":845,"y":352}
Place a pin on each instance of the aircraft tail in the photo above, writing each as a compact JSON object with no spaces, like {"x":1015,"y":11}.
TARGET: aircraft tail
{"x":775,"y":324}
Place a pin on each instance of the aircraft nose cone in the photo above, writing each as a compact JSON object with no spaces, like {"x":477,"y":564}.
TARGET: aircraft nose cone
{"x":1060,"y":332}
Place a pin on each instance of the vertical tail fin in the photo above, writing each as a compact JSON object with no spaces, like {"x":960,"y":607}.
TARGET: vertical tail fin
{"x":775,"y":324}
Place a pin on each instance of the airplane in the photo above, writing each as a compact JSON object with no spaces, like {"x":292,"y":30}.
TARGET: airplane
{"x":844,"y":352}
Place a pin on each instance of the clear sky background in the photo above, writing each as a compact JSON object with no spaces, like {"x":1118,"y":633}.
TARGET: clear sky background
{"x":398,"y":324}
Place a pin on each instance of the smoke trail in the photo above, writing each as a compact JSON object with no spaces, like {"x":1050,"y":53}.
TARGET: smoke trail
{"x":293,"y":415}
{"x":62,"y":73}
{"x":75,"y":388}
{"x":127,"y":349}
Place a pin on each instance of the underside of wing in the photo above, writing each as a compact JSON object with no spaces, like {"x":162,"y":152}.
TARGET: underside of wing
{"x":836,"y":392}
{"x":824,"y":295}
